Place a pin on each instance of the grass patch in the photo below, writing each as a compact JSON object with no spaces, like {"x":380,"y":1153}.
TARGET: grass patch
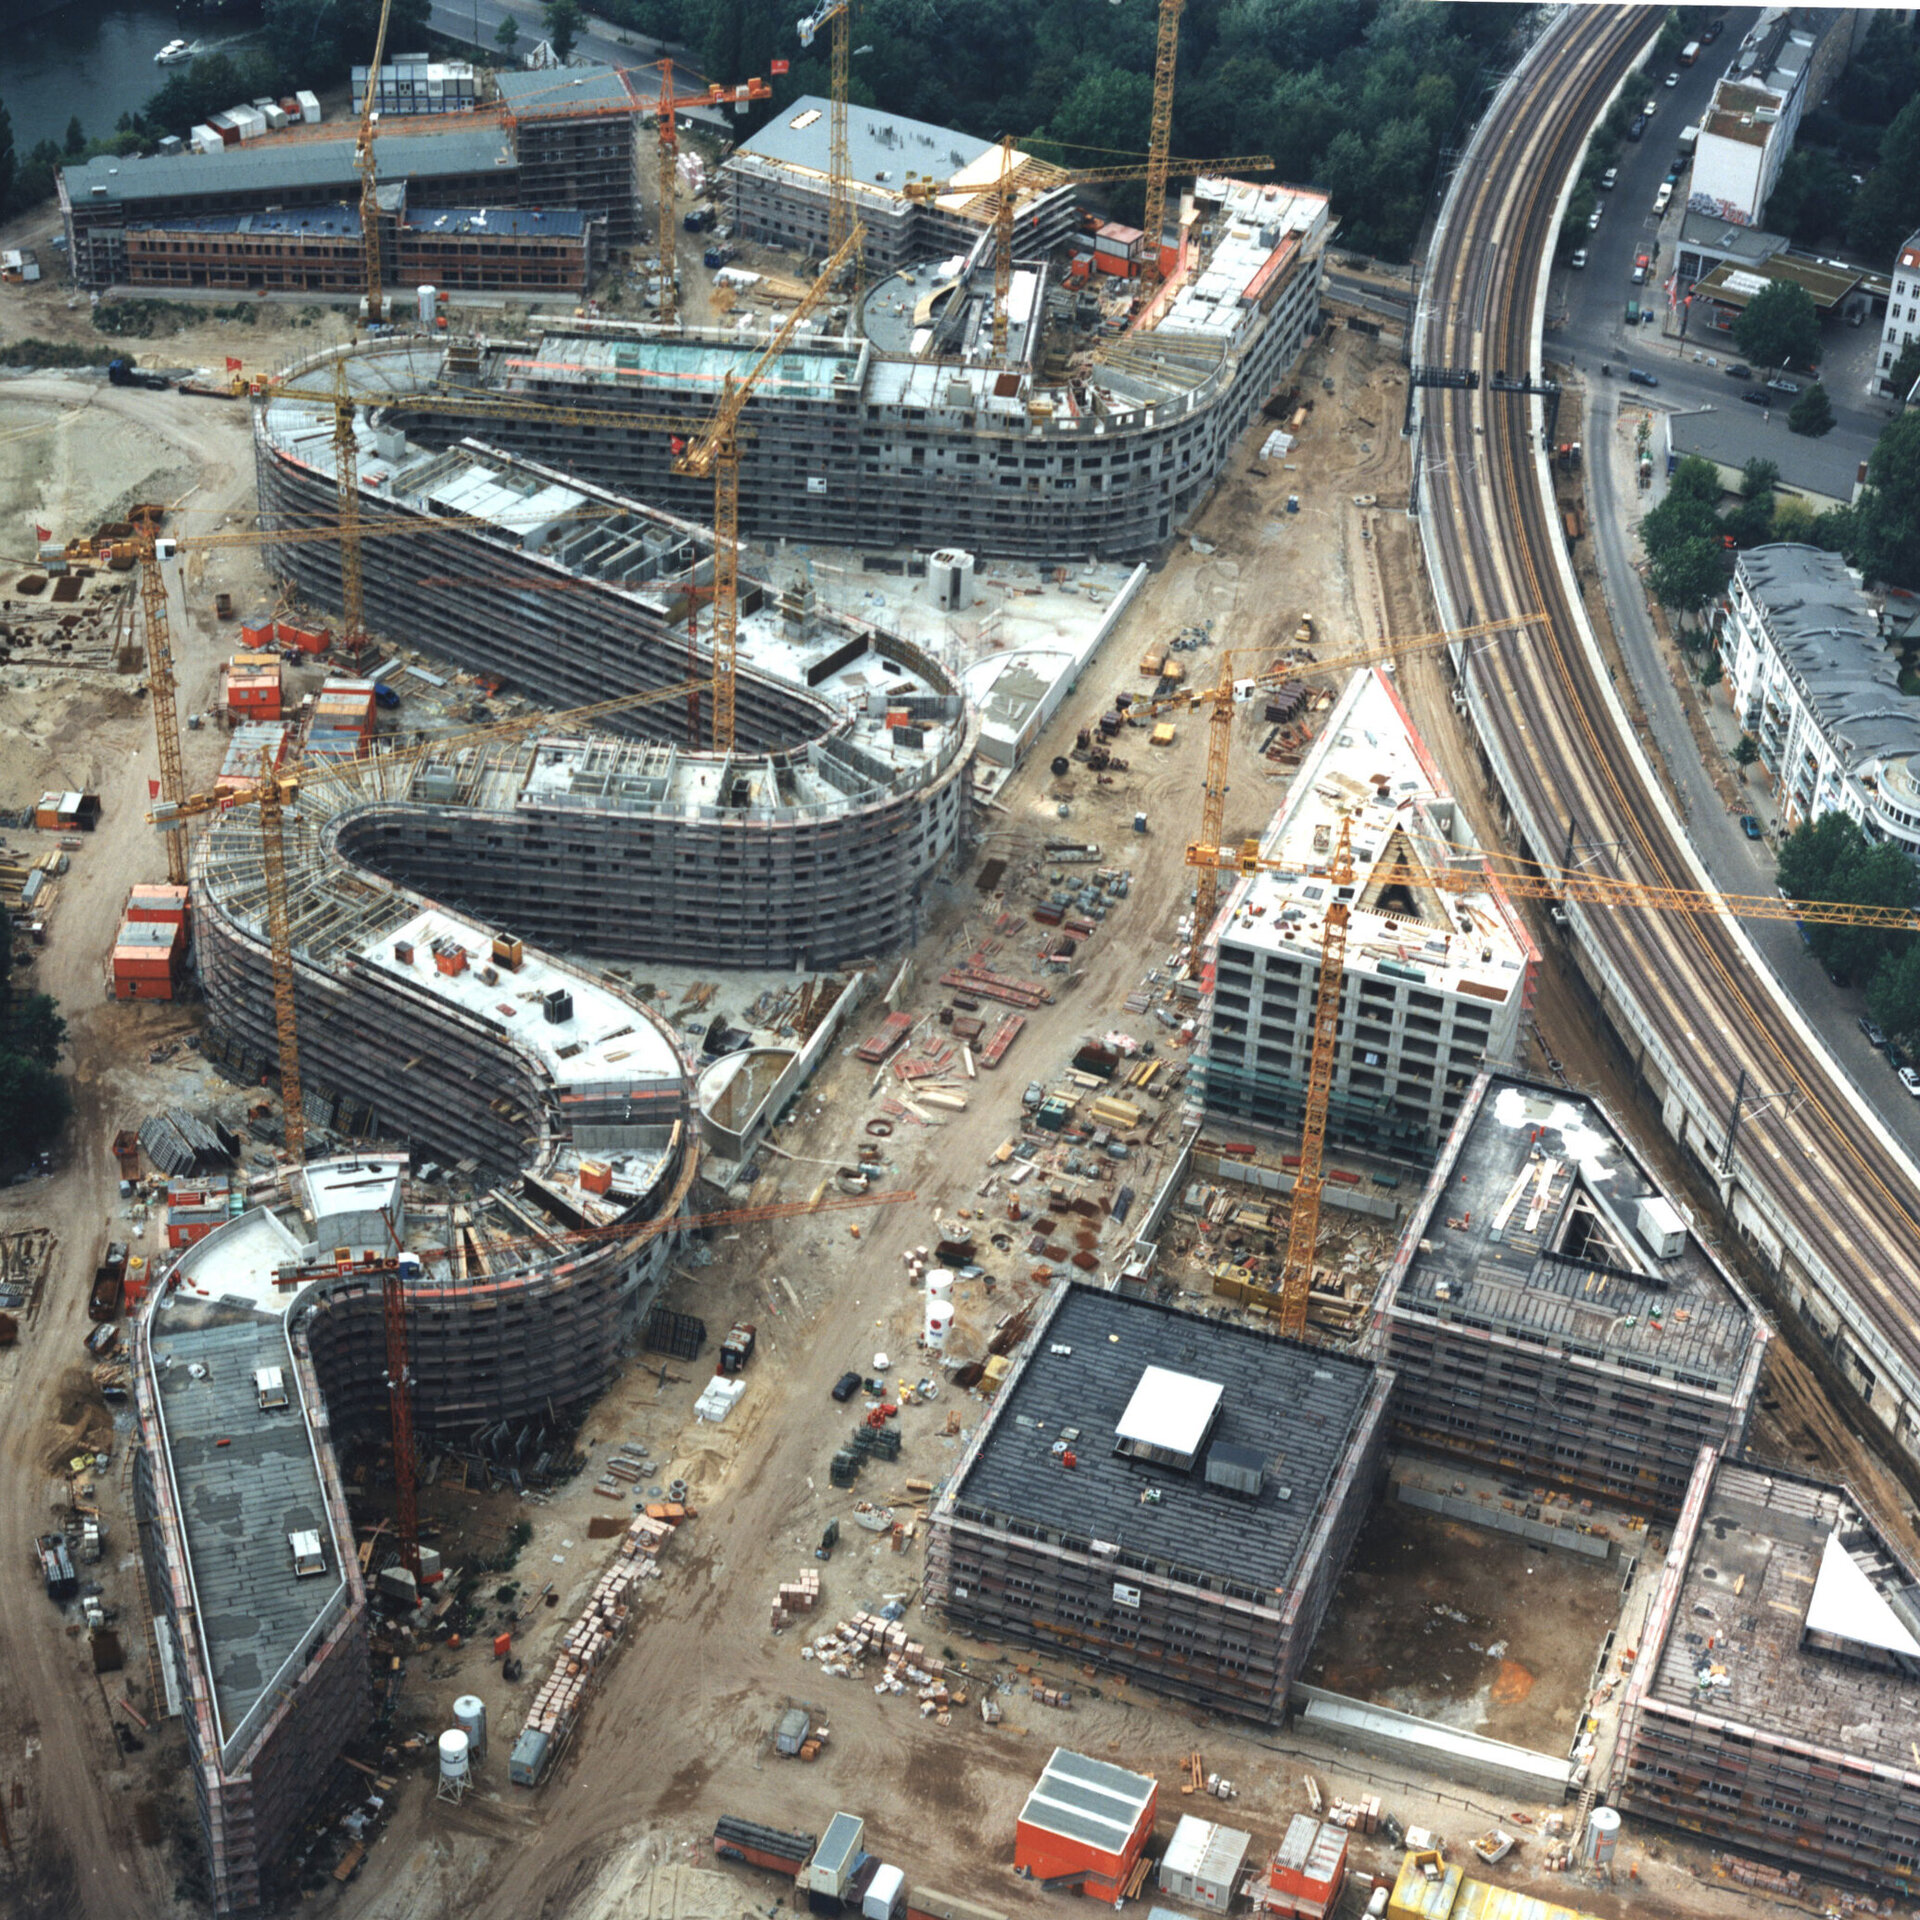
{"x":46,"y":353}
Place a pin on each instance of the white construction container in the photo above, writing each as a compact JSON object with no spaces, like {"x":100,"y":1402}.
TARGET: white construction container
{"x":309,"y":107}
{"x":203,"y":139}
{"x":886,"y":1895}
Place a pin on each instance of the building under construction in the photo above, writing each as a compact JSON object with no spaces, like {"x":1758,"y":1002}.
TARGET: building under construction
{"x":1167,"y":1497}
{"x":265,"y":1346}
{"x":1551,"y":1314}
{"x":564,"y":139}
{"x":928,"y":439}
{"x":1772,"y":1706}
{"x":1435,"y":982}
{"x":853,"y":745}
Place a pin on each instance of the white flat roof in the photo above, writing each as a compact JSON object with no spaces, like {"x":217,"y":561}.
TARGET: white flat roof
{"x":1170,"y":1410}
{"x":605,"y":1038}
{"x":1091,"y":1801}
{"x":1847,"y":1605}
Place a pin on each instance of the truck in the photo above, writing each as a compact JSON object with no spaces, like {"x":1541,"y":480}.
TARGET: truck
{"x":109,"y":1284}
{"x":1690,"y":53}
{"x":737,"y":1348}
{"x":698,"y":219}
{"x":121,"y":372}
{"x":1689,"y":139}
{"x":56,"y":1566}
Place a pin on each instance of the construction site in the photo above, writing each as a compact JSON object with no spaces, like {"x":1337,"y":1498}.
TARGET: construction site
{"x":805,"y":1067}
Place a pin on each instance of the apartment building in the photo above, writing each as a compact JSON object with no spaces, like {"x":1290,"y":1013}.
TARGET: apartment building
{"x":1902,"y":325}
{"x":1813,"y":679}
{"x":1435,"y":983}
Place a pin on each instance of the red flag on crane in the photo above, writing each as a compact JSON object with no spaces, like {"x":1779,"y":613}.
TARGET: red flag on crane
{"x":153,"y":789}
{"x":43,"y":533}
{"x":777,"y":66}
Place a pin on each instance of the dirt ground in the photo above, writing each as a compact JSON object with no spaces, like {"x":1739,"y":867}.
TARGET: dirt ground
{"x":680,"y":1730}
{"x":1466,"y":1626}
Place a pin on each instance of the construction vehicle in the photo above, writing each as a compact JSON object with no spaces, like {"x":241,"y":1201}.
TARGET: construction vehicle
{"x":363,"y":165}
{"x":716,"y":451}
{"x":1021,"y":173}
{"x":737,"y":1348}
{"x":121,"y":372}
{"x":666,"y":270}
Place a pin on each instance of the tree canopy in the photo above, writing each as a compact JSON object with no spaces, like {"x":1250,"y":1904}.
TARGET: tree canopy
{"x":34,"y":1099}
{"x":1780,"y":327}
{"x":1831,"y":859}
{"x":1887,"y":207}
{"x":1894,"y":997}
{"x":1812,"y":413}
{"x":1358,"y":96}
{"x":1883,"y":526}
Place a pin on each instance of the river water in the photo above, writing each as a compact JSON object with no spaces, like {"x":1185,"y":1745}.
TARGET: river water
{"x":90,"y":57}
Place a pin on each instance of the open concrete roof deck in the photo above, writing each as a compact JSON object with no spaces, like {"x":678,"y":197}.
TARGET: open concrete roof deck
{"x":1536,"y":1231}
{"x":1736,"y":1649}
{"x":1368,"y":766}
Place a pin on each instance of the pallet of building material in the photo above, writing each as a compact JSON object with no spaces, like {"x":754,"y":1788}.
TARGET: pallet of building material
{"x":882,"y":1041}
{"x":770,"y":1848}
{"x":680,"y":1335}
{"x":1002,"y":1037}
{"x":994,"y":986}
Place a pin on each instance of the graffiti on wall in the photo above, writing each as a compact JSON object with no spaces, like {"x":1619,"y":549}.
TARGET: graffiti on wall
{"x":1717,"y":209}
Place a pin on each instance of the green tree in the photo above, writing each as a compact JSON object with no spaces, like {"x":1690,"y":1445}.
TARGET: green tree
{"x":1881,"y":532}
{"x":1812,"y":199}
{"x":1794,"y":521}
{"x":1746,"y":750}
{"x":1689,"y":573}
{"x":1687,"y":514}
{"x":1780,"y":327}
{"x":6,"y":158}
{"x":35,"y":1103}
{"x":563,"y":26}
{"x":1831,"y":859}
{"x":1812,"y":413}
{"x":1758,"y":476}
{"x":1884,"y":76}
{"x":506,"y":36}
{"x":76,"y":140}
{"x":1887,"y":207}
{"x":34,"y":1029}
{"x":313,"y":42}
{"x":1894,"y":997}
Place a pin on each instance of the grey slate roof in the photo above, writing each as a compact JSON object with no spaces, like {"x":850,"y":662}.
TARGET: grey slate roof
{"x":240,"y":1500}
{"x":266,"y":166}
{"x":1738,"y":432}
{"x":1295,"y":1406}
{"x":877,"y":143}
{"x":556,"y":92}
{"x":1825,"y":633}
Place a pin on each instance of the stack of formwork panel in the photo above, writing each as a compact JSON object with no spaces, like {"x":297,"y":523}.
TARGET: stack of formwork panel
{"x":795,"y":1597}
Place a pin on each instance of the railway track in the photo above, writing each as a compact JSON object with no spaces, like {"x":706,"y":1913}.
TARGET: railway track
{"x":1822,"y":1192}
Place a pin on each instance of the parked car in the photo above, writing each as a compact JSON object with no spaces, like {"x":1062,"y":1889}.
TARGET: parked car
{"x":1642,"y":378}
{"x":1610,"y":179}
{"x":1650,"y":109}
{"x":1780,"y":384}
{"x":1739,"y":370}
{"x":846,"y":1386}
{"x":1875,"y":1038}
{"x":1637,"y":127}
{"x":1579,"y":257}
{"x":1673,"y":79}
{"x":1759,"y":396}
{"x":1911,"y":1081}
{"x":1711,"y":31}
{"x":1639,"y":276}
{"x":1750,"y":826}
{"x":1593,"y":220}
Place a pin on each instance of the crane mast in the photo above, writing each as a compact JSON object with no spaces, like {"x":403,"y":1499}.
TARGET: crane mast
{"x":162,"y":692}
{"x":1160,"y":136}
{"x":363,"y":165}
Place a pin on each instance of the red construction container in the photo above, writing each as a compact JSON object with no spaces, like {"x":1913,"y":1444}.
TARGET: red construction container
{"x":155,"y":903}
{"x":146,"y":960}
{"x":1084,"y":1825}
{"x":300,"y":638}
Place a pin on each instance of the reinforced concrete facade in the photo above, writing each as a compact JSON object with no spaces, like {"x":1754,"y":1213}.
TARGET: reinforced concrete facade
{"x":848,"y":445}
{"x":1772,"y":1705}
{"x":1550,"y":1314}
{"x":1435,"y":982}
{"x":637,"y":844}
{"x":1168,"y":1497}
{"x":1815,"y":681}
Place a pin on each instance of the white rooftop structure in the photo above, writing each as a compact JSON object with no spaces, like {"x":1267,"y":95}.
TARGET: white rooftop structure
{"x":1846,"y":1605}
{"x":1258,"y":228}
{"x":1089,"y":1801}
{"x":1170,"y":1414}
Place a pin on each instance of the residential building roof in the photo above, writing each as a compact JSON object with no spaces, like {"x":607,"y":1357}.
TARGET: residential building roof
{"x":882,"y":148}
{"x":1731,"y":436}
{"x":556,"y":93}
{"x":1749,"y":246}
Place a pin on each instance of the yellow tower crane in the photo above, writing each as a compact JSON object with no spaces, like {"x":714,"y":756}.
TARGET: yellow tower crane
{"x":1471,"y":870}
{"x":363,"y":165}
{"x":278,"y":788}
{"x":1160,"y":136}
{"x":716,"y":451}
{"x":1021,"y":172}
{"x":840,"y":221}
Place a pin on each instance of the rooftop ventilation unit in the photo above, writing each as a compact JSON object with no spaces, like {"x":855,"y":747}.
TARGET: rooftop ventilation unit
{"x":1238,"y":1469}
{"x":1168,"y":1419}
{"x":307,"y":1557}
{"x":557,"y":1004}
{"x":270,"y":1385}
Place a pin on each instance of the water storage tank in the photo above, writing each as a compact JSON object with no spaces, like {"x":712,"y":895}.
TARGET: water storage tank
{"x":428,"y":297}
{"x":453,"y":1757}
{"x":939,"y":1283}
{"x":939,"y":1322}
{"x":470,"y":1716}
{"x":1603,"y":1829}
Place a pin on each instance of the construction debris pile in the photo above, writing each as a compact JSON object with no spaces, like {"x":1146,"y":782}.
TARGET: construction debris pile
{"x":845,"y":1650}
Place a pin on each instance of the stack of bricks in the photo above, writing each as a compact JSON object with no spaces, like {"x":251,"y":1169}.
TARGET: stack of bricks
{"x":844,"y":1650}
{"x":588,"y":1646}
{"x":796,"y":1596}
{"x":1753,"y":1873}
{"x":1049,"y":1696}
{"x":1357,"y":1816}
